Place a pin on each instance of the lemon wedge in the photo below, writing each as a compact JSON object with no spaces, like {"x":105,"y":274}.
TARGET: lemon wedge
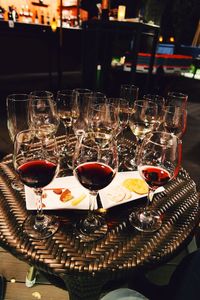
{"x":76,"y":201}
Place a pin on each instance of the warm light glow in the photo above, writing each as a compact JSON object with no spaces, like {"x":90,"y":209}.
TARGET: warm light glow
{"x":54,"y":24}
{"x":161,"y":39}
{"x":121,"y":12}
{"x":171,"y":39}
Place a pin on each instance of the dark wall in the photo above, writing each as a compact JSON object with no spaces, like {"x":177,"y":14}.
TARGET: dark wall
{"x":31,"y":56}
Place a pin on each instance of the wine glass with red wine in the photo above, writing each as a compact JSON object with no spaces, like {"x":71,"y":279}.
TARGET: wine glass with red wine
{"x":95,"y":166}
{"x":36,"y":169}
{"x":158,"y":161}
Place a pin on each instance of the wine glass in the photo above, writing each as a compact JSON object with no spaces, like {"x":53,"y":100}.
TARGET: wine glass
{"x":123,"y":119}
{"x":104,"y":122}
{"x":129,"y":92}
{"x":174,"y":120}
{"x":123,"y":112}
{"x":97,"y":98}
{"x":159,"y":100}
{"x":177,"y":99}
{"x":17,"y":120}
{"x":141,"y":121}
{"x":158,"y":161}
{"x":80,"y":118}
{"x":36,"y":169}
{"x":144,"y":118}
{"x":94,"y":167}
{"x":66,"y":106}
{"x":43,"y":112}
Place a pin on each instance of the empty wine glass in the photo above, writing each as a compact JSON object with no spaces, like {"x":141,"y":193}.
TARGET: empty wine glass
{"x":36,"y":169}
{"x":174,"y":120}
{"x":80,"y":118}
{"x":141,"y":121}
{"x":158,"y":161}
{"x":97,"y":98}
{"x":177,"y":99}
{"x":159,"y":100}
{"x":123,"y":112}
{"x":94,"y":167}
{"x":17,"y":120}
{"x":104,"y":122}
{"x":66,"y":106}
{"x":123,"y":119}
{"x":129,"y":92}
{"x":144,"y":118}
{"x":43,"y":112}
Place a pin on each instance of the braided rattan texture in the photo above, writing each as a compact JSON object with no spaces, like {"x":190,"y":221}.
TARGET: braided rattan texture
{"x":122,"y":250}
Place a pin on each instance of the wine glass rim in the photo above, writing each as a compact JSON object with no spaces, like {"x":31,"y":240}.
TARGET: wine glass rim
{"x":41,"y":94}
{"x":30,"y":130}
{"x":33,"y":101}
{"x":167,"y":107}
{"x":129,"y":86}
{"x":177,"y":95}
{"x":82,"y":91}
{"x":141,"y":101}
{"x":64,"y":92}
{"x":153,"y":97}
{"x":18,"y":97}
{"x":163,"y":132}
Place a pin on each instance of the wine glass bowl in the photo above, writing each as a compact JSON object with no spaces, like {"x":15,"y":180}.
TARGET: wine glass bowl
{"x":80,"y":117}
{"x":43,"y":112}
{"x":94,"y":167}
{"x":104,"y":122}
{"x":177,"y":99}
{"x":142,"y":120}
{"x":67,"y":106}
{"x":174,"y":120}
{"x":17,"y":120}
{"x":36,"y":169}
{"x":158,"y":160}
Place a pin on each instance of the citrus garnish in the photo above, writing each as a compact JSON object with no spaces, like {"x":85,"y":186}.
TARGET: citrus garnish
{"x":136,"y":185}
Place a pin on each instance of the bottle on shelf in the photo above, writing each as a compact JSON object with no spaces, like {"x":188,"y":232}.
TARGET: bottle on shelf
{"x":15,"y":15}
{"x":42,"y":17}
{"x":105,"y":10}
{"x":2,"y":12}
{"x":48,"y":19}
{"x":21,"y":14}
{"x":36,"y":20}
{"x":10,"y":17}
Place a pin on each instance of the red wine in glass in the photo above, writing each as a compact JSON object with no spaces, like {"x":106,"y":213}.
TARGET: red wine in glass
{"x":94,"y":176}
{"x":154,"y":176}
{"x":36,"y":169}
{"x":159,"y":160}
{"x":37,"y":173}
{"x":94,"y":166}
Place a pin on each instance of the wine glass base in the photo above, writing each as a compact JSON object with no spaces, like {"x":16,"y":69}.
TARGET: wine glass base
{"x":50,"y":226}
{"x":145,"y":220}
{"x":130,"y":164}
{"x":17,"y":185}
{"x":90,"y":231}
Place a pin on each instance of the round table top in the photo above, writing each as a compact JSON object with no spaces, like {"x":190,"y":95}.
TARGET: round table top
{"x":122,"y":249}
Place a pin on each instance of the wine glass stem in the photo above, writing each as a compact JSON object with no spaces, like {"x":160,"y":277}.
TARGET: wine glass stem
{"x":149,"y":198}
{"x":67,"y":133}
{"x":92,"y":201}
{"x":39,"y":217}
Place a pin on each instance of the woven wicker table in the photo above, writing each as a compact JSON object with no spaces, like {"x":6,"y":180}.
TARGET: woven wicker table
{"x":85,"y":268}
